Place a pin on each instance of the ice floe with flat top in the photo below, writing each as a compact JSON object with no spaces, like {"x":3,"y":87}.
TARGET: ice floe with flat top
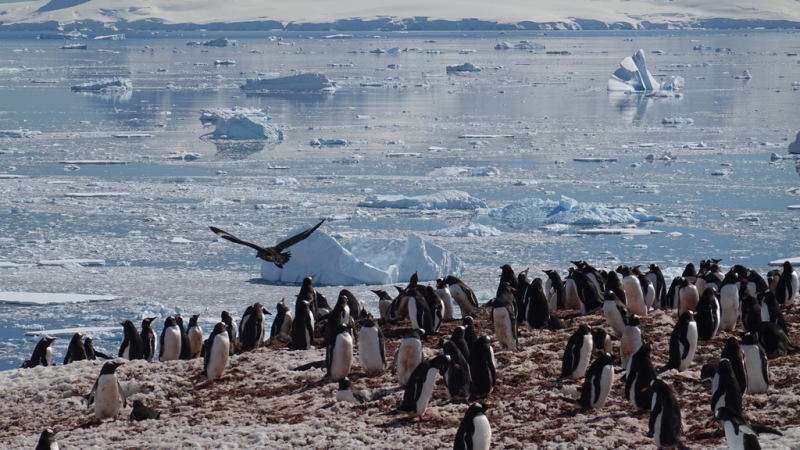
{"x":568,"y":211}
{"x":70,"y":331}
{"x":632,"y":75}
{"x":37,"y":298}
{"x":304,"y":82}
{"x":240,"y":124}
{"x":450,"y":199}
{"x":468,"y":230}
{"x":450,"y":171}
{"x":106,"y":85}
{"x":367,"y":261}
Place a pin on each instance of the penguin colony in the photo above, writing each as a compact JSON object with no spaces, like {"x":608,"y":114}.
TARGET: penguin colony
{"x":608,"y":354}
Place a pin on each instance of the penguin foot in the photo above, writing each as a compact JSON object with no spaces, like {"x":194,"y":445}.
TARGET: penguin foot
{"x":204,"y":385}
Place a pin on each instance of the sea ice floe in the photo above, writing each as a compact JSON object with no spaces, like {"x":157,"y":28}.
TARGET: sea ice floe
{"x":451,"y":171}
{"x":105,"y":85}
{"x":450,"y":199}
{"x":36,"y":298}
{"x":568,"y":211}
{"x":468,"y":230}
{"x":241,"y":124}
{"x":18,"y":133}
{"x":632,"y":75}
{"x":466,"y":67}
{"x":368,"y":261}
{"x":70,"y":331}
{"x":305,"y":82}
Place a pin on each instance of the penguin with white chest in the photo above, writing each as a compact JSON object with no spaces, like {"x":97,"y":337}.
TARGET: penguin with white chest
{"x":216,"y":352}
{"x":504,"y":317}
{"x":630,"y":342}
{"x":615,"y":312}
{"x":348,"y":392}
{"x":474,"y":432}
{"x":597,"y":385}
{"x":587,"y":293}
{"x":227,"y":319}
{"x":733,"y":353}
{"x":688,"y":296}
{"x":665,"y":425}
{"x":420,"y":386}
{"x":436,"y":305}
{"x":282,"y":325}
{"x":555,"y":291}
{"x":462,"y":294}
{"x":577,"y":354}
{"x":371,"y":347}
{"x":107,"y":394}
{"x":419,"y":313}
{"x":707,"y":315}
{"x":131,"y":347}
{"x":659,"y":285}
{"x":729,"y":301}
{"x":457,"y":377}
{"x":639,"y":374}
{"x":633,"y":291}
{"x":385,"y":304}
{"x":786,"y":289}
{"x":725,"y":390}
{"x":76,"y":351}
{"x":339,"y":354}
{"x":443,"y":290}
{"x":483,"y":367}
{"x":756,"y":363}
{"x":771,"y":311}
{"x":251,"y":328}
{"x":47,"y":440}
{"x":149,"y":342}
{"x":185,"y":345}
{"x":682,"y":343}
{"x":409,"y":355}
{"x":170,"y":343}
{"x":739,"y":434}
{"x":42,"y":354}
{"x":195,"y":334}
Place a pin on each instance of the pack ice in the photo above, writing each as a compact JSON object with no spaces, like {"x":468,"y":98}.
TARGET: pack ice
{"x":240,"y":124}
{"x":105,"y":85}
{"x":441,"y":200}
{"x":304,"y":82}
{"x":568,"y":211}
{"x":368,"y":261}
{"x":633,"y":75}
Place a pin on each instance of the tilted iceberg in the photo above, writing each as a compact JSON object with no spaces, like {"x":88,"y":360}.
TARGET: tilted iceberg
{"x":632,"y":75}
{"x":568,"y":211}
{"x":304,"y":82}
{"x":441,"y":200}
{"x":369,"y":261}
{"x":240,"y":124}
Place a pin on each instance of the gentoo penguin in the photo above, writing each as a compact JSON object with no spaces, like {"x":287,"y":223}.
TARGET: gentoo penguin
{"x":659,"y":285}
{"x":571,"y":297}
{"x":772,"y":279}
{"x":630,"y":341}
{"x":615,"y":312}
{"x":320,"y":306}
{"x":507,"y":275}
{"x":399,"y":308}
{"x":725,"y":390}
{"x":170,"y":342}
{"x":601,"y":340}
{"x":409,"y":355}
{"x":633,"y":291}
{"x":339,"y":315}
{"x":462,"y":294}
{"x":755,"y":283}
{"x":282,"y":324}
{"x":474,"y":432}
{"x":577,"y":354}
{"x":729,"y":301}
{"x":786,"y":290}
{"x":251,"y":328}
{"x":274,"y":254}
{"x":419,"y":313}
{"x":751,"y":312}
{"x":690,"y":273}
{"x":371,"y":347}
{"x":707,"y":315}
{"x":47,"y":440}
{"x":149,"y":342}
{"x":504,"y":317}
{"x":771,"y":311}
{"x":302,"y":327}
{"x":470,"y":336}
{"x":523,"y":283}
{"x":141,"y":412}
{"x":385,"y":304}
{"x":482,"y":367}
{"x":773,"y":339}
{"x":665,"y":425}
{"x":352,"y":303}
{"x":613,"y":284}
{"x":132,"y":347}
{"x":555,"y":291}
{"x":443,"y":290}
{"x":739,"y":434}
{"x":597,"y":385}
{"x":195,"y":334}
{"x":76,"y":351}
{"x":682,"y":343}
{"x":688,"y":296}
{"x":588,"y":296}
{"x":673,"y":294}
{"x":186,"y":347}
{"x":436,"y":305}
{"x":700,"y":281}
{"x":216,"y":352}
{"x":420,"y":386}
{"x":756,"y":364}
{"x":309,"y":294}
{"x":640,"y":373}
{"x":648,"y":291}
{"x":733,"y":353}
{"x":536,"y":308}
{"x":594,"y":276}
{"x":457,"y":378}
{"x":339,"y":353}
{"x":458,"y":339}
{"x":107,"y":394}
{"x":348,"y":392}
{"x":230,"y":324}
{"x":42,"y":354}
{"x":91,"y":353}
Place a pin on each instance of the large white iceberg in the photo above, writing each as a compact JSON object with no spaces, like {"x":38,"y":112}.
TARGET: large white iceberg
{"x":240,"y":124}
{"x":441,"y":200}
{"x":369,"y":261}
{"x":568,"y":211}
{"x":105,"y":85}
{"x":305,"y":82}
{"x":632,"y":75}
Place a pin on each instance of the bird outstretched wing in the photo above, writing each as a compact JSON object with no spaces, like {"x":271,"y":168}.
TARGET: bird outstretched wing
{"x":232,"y":238}
{"x":292,"y":240}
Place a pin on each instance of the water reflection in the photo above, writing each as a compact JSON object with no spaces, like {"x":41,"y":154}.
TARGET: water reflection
{"x":237,"y":150}
{"x":121,"y":96}
{"x":631,"y":107}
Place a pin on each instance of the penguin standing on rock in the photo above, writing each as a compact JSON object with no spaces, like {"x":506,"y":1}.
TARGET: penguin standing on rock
{"x":170,"y":343}
{"x":586,"y":291}
{"x":443,"y":290}
{"x":348,"y":392}
{"x":47,"y":440}
{"x":725,"y":390}
{"x":339,"y":353}
{"x":131,"y":347}
{"x":640,"y":373}
{"x":107,"y":394}
{"x":436,"y":305}
{"x":504,"y":317}
{"x":474,"y":432}
{"x":536,"y":308}
{"x":648,"y":291}
{"x":216,"y":352}
{"x":385,"y":304}
{"x":733,"y":353}
{"x":141,"y":412}
{"x":786,"y":290}
{"x":419,"y":313}
{"x":615,"y":312}
{"x":420,"y":386}
{"x":457,"y":378}
{"x":707,"y":315}
{"x":483,"y":367}
{"x":42,"y":354}
{"x":739,"y":434}
{"x":461,"y":343}
{"x":729,"y":301}
{"x":186,"y":346}
{"x":659,"y":285}
{"x":371,"y":347}
{"x":75,"y":351}
{"x":597,"y":385}
{"x":757,"y":364}
{"x":773,"y":339}
{"x":631,"y":341}
{"x":149,"y":342}
{"x":230,"y":324}
{"x":470,"y":336}
{"x":751,"y":313}
{"x":665,"y":425}
{"x":601,"y":340}
{"x":283,"y":320}
{"x":251,"y":329}
{"x":682,"y":343}
{"x":613,"y":284}
{"x":688,"y":296}
{"x":577,"y":354}
{"x":555,"y":291}
{"x":91,"y":353}
{"x":302,"y":327}
{"x":409,"y":355}
{"x":462,"y":294}
{"x":771,"y":311}
{"x":673,"y":294}
{"x":633,"y":291}
{"x":195,"y":334}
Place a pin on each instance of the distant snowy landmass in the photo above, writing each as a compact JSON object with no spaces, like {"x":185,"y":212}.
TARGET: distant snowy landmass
{"x":318,"y":15}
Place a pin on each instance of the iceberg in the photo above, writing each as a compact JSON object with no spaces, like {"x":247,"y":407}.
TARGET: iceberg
{"x":466,"y":67}
{"x":450,"y":199}
{"x":568,"y":211}
{"x":744,"y":76}
{"x":794,"y":147}
{"x":105,"y":85}
{"x":632,"y":75}
{"x":110,"y":37}
{"x":305,"y":82}
{"x":240,"y":124}
{"x":38,"y":298}
{"x":74,"y":47}
{"x":368,"y":261}
{"x":450,"y":171}
{"x":74,"y":34}
{"x":469,"y":229}
{"x":522,"y":45}
{"x":18,"y":134}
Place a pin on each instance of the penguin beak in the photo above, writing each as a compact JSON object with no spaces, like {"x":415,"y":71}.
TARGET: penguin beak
{"x":710,"y":422}
{"x":122,"y":323}
{"x":312,"y":276}
{"x":456,"y":366}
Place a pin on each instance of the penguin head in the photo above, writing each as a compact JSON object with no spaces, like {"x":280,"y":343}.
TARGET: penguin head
{"x":440,"y":283}
{"x":477,"y":409}
{"x":653,"y":267}
{"x":344,"y":384}
{"x":442,"y":362}
{"x":584,"y":330}
{"x":787,"y":267}
{"x":169,"y":322}
{"x":725,"y":413}
{"x":179,"y":321}
{"x":47,"y":437}
{"x":110,"y":367}
{"x":687,"y":316}
{"x":749,"y":339}
{"x":458,"y":333}
{"x":467,"y":321}
{"x":193,"y":320}
{"x":128,"y":326}
{"x":281,"y":306}
{"x":220,"y":327}
{"x":226,"y":317}
{"x":147,"y":321}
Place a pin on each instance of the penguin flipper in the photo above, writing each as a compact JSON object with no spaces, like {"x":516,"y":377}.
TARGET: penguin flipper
{"x":121,"y":393}
{"x":760,"y":429}
{"x":90,"y":396}
{"x":101,"y":355}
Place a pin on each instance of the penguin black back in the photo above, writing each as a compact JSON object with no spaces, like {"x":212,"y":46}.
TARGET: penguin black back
{"x":707,"y":315}
{"x":733,"y":353}
{"x":132,"y":347}
{"x":186,"y":347}
{"x":536,"y":308}
{"x":76,"y":351}
{"x":148,"y":339}
{"x":482,"y":367}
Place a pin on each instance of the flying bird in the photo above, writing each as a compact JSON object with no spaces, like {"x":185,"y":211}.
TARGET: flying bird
{"x":271,"y":254}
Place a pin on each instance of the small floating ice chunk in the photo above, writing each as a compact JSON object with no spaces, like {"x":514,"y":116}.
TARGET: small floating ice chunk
{"x":677,"y":121}
{"x":450,"y":199}
{"x":18,"y":134}
{"x":180,"y":240}
{"x":220,"y":42}
{"x":744,"y":76}
{"x":106,"y":85}
{"x":620,"y":231}
{"x":241,"y":124}
{"x":779,"y":262}
{"x":466,"y":67}
{"x":468,"y":230}
{"x":305,"y":82}
{"x":445,"y":172}
{"x":282,"y":181}
{"x":328,"y":142}
{"x":64,"y":262}
{"x":110,"y":37}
